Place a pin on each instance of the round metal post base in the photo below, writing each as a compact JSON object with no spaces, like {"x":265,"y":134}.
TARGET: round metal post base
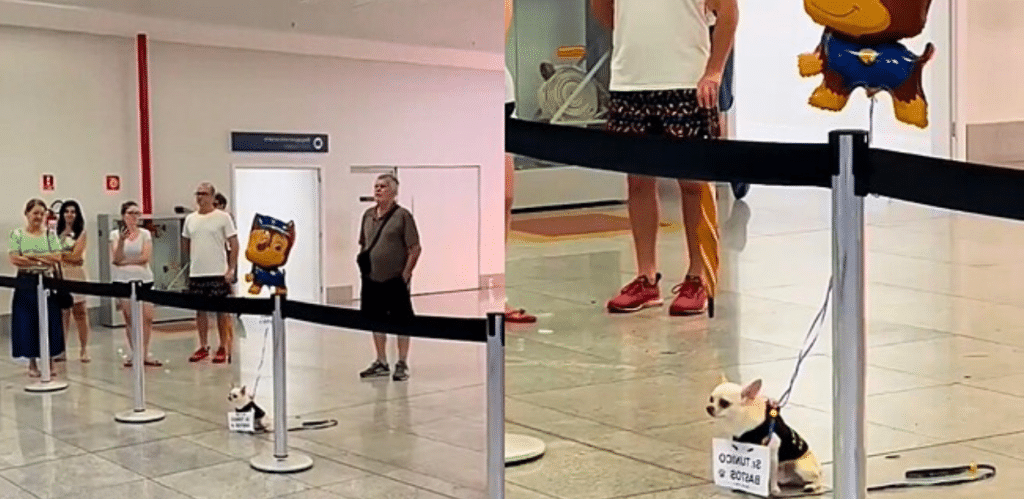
{"x":47,"y":386}
{"x":294,"y":463}
{"x":521,"y":448}
{"x":139,"y":417}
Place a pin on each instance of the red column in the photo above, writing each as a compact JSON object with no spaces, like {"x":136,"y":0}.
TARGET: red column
{"x":141,"y":48}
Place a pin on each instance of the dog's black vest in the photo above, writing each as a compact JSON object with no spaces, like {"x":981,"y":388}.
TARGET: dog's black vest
{"x":792,"y":445}
{"x":257,"y":412}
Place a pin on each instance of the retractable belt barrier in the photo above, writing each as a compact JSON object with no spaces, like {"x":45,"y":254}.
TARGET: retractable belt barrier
{"x":467,"y":329}
{"x":941,"y":183}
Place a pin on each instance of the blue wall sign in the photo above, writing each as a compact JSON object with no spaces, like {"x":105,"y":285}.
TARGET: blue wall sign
{"x":278,"y":142}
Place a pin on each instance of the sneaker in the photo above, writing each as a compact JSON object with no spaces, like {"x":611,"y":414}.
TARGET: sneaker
{"x":401,"y":371}
{"x":201,"y":353}
{"x":222,"y":356}
{"x":637,"y":295}
{"x":376,"y":370}
{"x":691,"y":297}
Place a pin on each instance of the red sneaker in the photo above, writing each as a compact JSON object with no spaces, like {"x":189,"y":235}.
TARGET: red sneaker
{"x":222,"y":356}
{"x":692,"y":298}
{"x":201,"y":353}
{"x":637,"y":295}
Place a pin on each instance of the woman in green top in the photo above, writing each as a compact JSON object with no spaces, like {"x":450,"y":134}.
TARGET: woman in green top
{"x":34,"y":250}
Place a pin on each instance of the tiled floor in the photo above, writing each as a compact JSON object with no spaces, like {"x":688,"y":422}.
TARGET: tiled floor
{"x":424,"y":438}
{"x":619,"y":400}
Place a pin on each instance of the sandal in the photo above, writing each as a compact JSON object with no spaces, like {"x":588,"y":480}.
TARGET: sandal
{"x":152,"y":363}
{"x":34,"y":373}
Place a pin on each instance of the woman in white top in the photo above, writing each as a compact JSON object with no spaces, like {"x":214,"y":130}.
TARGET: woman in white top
{"x":71,"y":231}
{"x":131,"y":248}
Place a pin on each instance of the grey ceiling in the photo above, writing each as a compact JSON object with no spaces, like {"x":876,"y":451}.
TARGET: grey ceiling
{"x":460,"y":24}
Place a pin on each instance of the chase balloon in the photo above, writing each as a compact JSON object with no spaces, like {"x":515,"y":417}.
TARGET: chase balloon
{"x":270,"y":243}
{"x":861,"y":48}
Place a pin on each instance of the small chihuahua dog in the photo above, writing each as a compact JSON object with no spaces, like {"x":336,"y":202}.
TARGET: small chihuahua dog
{"x":243,"y":402}
{"x":749,"y":417}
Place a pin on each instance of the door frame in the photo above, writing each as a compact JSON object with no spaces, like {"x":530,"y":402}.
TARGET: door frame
{"x":321,"y":219}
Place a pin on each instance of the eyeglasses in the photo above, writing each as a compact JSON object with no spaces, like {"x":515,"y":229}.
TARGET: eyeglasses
{"x":133,"y":212}
{"x":200,"y":193}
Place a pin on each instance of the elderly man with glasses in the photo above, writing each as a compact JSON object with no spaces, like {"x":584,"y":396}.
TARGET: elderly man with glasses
{"x":211,"y":271}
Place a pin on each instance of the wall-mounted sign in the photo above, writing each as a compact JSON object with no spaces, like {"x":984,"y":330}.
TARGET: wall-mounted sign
{"x":48,"y":184}
{"x":278,"y":142}
{"x":113,"y":183}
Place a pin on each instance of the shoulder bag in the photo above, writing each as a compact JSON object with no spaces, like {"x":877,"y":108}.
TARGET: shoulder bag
{"x":363,"y":258}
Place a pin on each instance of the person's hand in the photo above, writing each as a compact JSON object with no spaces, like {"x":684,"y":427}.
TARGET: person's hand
{"x":229,"y":276}
{"x":707,"y":90}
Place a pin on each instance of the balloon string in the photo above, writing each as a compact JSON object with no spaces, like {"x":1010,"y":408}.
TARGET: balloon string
{"x":871,"y":120}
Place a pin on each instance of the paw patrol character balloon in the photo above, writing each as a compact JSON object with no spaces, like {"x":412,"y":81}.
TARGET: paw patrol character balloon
{"x":270,"y":242}
{"x":860,"y":48}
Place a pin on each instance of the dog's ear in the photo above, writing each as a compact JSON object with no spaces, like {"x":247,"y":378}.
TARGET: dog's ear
{"x":243,"y":389}
{"x":723,"y":379}
{"x":750,"y":391}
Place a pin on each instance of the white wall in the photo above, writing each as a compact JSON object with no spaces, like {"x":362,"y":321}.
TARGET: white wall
{"x":70,"y":107}
{"x":771,"y":97}
{"x":991,"y":67}
{"x":376,"y":114}
{"x":69,"y":110}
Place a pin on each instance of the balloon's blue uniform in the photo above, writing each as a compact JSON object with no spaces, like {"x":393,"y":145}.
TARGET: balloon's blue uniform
{"x":891,"y":66}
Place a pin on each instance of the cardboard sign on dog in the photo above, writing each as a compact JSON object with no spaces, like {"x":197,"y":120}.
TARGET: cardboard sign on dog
{"x":743,"y":467}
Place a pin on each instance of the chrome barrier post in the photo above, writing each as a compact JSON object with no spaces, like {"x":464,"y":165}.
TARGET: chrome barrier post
{"x":46,"y":383}
{"x":280,"y":461}
{"x":495,"y":406}
{"x":139,"y":414}
{"x":849,"y":341}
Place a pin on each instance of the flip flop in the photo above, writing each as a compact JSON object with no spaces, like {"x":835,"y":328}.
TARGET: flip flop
{"x":519,"y":317}
{"x":152,"y":363}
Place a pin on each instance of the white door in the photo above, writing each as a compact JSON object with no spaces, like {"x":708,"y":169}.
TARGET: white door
{"x":289,"y":194}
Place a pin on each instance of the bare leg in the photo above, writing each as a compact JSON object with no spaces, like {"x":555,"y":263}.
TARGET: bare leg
{"x":203,"y":328}
{"x":380,"y":344}
{"x":403,"y":348}
{"x":643,"y":218}
{"x":225,"y":331}
{"x":692,"y":216}
{"x":82,"y":323}
{"x":127,"y":322}
{"x":509,"y":192}
{"x":147,"y":327}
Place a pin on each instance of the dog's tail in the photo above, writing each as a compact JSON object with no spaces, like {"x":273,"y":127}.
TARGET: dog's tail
{"x":929,"y":52}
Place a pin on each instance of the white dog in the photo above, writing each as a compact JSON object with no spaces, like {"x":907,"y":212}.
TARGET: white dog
{"x":243,"y":402}
{"x":749,"y":417}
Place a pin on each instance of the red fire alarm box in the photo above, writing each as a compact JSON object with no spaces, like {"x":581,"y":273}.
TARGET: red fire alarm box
{"x":113,"y":183}
{"x":48,"y":182}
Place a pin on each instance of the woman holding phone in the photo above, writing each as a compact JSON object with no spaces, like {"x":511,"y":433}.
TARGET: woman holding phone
{"x":71,"y":230}
{"x":131,"y":248}
{"x":34,"y":250}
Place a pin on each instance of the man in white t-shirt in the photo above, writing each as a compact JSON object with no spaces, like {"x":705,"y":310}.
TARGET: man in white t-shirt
{"x":211,"y":271}
{"x":666,"y":71}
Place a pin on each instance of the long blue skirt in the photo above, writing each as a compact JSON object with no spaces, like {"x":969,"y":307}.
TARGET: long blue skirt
{"x":25,"y":325}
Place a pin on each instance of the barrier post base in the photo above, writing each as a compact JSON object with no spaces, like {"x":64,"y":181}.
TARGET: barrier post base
{"x":47,"y":386}
{"x":522,"y":448}
{"x":140,"y":417}
{"x":292,"y":463}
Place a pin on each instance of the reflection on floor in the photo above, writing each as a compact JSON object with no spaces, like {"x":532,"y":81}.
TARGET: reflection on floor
{"x":619,"y":400}
{"x":423,"y":438}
